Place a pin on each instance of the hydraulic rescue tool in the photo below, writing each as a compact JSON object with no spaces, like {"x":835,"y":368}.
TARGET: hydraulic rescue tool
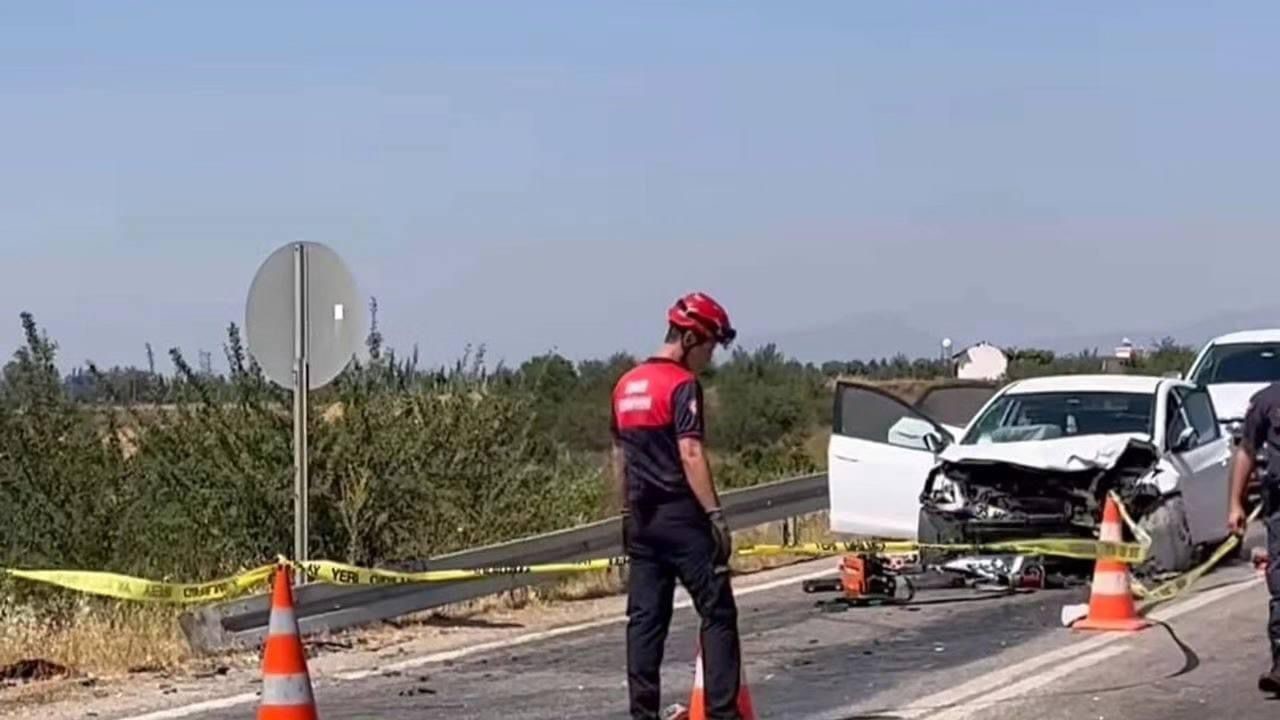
{"x":864,"y":580}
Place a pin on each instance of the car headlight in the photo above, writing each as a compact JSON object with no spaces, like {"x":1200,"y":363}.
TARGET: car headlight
{"x":946,"y":493}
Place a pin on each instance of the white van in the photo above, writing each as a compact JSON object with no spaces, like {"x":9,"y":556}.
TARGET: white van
{"x":1234,"y":367}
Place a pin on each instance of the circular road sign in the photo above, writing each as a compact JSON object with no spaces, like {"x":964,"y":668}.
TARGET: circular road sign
{"x":335,"y":321}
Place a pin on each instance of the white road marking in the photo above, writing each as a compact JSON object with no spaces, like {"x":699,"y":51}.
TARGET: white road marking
{"x":1008,"y":674}
{"x":988,"y":682}
{"x":1023,"y":687}
{"x":185,"y":710}
{"x":684,"y":602}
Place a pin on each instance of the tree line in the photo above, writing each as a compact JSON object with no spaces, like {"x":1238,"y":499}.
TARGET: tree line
{"x":187,"y":474}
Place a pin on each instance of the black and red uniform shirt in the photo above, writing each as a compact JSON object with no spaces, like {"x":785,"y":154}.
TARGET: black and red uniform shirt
{"x":654,"y":405}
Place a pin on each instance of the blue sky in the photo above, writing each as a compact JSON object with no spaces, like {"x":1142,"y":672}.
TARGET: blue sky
{"x":552,"y":174}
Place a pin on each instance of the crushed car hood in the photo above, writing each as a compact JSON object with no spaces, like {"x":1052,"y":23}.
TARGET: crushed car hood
{"x":1035,"y":488}
{"x":1039,"y":486}
{"x":1070,"y":455}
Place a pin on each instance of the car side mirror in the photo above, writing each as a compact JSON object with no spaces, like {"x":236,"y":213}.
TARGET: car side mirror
{"x":934,"y":442}
{"x":1185,"y":440}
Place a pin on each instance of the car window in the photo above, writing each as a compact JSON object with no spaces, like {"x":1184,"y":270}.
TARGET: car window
{"x":865,"y":413}
{"x":955,"y":404}
{"x":1192,"y":408}
{"x":1044,"y":416}
{"x":1239,"y":363}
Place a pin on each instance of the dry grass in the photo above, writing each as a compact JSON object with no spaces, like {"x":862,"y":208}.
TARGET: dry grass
{"x":102,"y":638}
{"x":805,"y":529}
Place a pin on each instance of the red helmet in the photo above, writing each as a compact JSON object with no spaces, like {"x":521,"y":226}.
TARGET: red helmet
{"x":703,"y":315}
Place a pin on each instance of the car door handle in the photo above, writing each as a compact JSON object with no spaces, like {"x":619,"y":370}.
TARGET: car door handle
{"x":847,"y":459}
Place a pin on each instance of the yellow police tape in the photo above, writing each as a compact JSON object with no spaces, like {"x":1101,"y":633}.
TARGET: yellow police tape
{"x":1172,"y":588}
{"x":326,"y":571}
{"x":125,"y":587}
{"x":1082,"y":549}
{"x":335,"y":573}
{"x":131,"y":588}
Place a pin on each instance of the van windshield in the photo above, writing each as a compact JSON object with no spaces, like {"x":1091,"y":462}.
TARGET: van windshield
{"x":1239,"y":363}
{"x":1048,"y":415}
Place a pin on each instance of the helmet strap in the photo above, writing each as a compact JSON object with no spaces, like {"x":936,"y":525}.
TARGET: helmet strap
{"x":688,"y":341}
{"x":692,"y":338}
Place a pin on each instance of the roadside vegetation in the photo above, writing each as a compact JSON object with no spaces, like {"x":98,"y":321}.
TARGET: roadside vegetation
{"x":185,"y":474}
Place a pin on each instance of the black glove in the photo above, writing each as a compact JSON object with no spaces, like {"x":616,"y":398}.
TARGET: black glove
{"x":724,"y":541}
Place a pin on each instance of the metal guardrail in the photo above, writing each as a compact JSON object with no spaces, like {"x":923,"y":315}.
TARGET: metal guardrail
{"x":328,"y":608}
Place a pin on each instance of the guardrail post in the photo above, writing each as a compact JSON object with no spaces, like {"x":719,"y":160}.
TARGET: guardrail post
{"x":789,"y":530}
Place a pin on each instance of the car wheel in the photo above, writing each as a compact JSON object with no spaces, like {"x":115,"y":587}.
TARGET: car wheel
{"x":1172,"y":550}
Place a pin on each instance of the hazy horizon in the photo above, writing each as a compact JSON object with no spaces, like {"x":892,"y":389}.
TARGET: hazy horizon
{"x":549,"y":177}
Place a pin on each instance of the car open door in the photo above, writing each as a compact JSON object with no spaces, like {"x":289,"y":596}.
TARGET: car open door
{"x":954,"y":403}
{"x":1202,"y":461}
{"x":879,"y":456}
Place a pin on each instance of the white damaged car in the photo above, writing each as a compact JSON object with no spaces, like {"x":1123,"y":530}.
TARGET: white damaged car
{"x":1036,"y":458}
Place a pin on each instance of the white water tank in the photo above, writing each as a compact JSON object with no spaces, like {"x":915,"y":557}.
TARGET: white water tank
{"x":983,"y":361}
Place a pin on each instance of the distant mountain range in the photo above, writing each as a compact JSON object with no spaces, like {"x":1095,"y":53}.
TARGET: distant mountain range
{"x":919,"y":333}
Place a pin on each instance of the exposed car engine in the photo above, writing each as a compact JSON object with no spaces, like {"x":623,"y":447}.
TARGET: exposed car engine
{"x":977,"y":501}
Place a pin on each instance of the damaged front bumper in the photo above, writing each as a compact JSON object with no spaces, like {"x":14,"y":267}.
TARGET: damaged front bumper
{"x":1053,"y":489}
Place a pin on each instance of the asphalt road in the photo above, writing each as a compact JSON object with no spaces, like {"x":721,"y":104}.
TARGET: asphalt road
{"x":951,"y":655}
{"x":1201,"y":665}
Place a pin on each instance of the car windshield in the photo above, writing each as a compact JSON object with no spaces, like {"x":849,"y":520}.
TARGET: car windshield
{"x":1239,"y":363}
{"x":1044,"y":416}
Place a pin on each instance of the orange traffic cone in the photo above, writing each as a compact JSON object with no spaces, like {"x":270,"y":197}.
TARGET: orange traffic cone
{"x":698,"y":700}
{"x":1110,"y":599}
{"x":286,"y":683}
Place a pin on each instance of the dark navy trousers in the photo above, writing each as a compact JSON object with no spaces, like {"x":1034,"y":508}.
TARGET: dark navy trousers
{"x":1271,"y":518}
{"x":667,"y":543}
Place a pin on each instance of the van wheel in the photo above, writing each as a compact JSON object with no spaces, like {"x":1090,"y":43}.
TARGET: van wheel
{"x":1171,"y":548}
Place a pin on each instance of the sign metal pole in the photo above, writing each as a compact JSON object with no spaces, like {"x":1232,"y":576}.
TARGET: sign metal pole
{"x":301,"y":383}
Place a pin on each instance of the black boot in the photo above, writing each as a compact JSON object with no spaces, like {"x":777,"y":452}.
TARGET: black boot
{"x":1270,"y":682}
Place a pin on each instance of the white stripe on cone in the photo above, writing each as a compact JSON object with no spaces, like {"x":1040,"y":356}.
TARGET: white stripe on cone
{"x":1111,"y":582}
{"x":286,"y":690}
{"x":1111,"y":532}
{"x":282,"y":622}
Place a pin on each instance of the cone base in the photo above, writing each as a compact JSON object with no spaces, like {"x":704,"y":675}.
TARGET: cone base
{"x":698,"y":706}
{"x":1124,"y":625}
{"x":307,"y":712}
{"x":698,"y":710}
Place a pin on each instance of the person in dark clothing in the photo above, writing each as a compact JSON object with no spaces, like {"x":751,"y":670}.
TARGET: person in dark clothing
{"x":673,"y":526}
{"x":1261,"y":437}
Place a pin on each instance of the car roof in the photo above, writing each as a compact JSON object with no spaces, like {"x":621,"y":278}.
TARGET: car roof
{"x":1264,"y":335}
{"x":1086,"y":383}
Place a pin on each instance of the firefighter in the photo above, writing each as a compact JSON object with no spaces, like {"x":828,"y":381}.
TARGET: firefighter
{"x":673,"y":525}
{"x":1261,"y":437}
